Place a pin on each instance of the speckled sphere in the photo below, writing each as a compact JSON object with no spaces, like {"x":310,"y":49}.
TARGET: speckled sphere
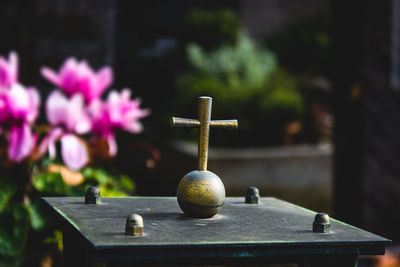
{"x":201,"y":194}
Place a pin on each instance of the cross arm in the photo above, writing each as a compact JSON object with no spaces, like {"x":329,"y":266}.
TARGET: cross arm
{"x":227,"y":124}
{"x":182,"y":122}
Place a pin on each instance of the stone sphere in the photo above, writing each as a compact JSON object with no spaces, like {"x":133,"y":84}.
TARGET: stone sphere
{"x":201,"y":194}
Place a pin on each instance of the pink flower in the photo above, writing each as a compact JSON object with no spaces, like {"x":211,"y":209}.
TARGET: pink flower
{"x":67,"y":116}
{"x":49,"y":142}
{"x":8,"y":70}
{"x":79,"y":78}
{"x":82,"y":110}
{"x":117,"y":112}
{"x":74,"y":152}
{"x":21,"y":142}
{"x":68,"y":113}
{"x":19,"y":107}
{"x":22,"y":103}
{"x":4,"y":115}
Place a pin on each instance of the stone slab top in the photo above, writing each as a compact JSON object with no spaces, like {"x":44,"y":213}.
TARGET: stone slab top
{"x":244,"y":230}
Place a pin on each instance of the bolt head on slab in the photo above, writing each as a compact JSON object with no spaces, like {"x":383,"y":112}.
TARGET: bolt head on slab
{"x":92,"y":195}
{"x":252,"y":195}
{"x":134,"y":225}
{"x":321,"y":223}
{"x":201,"y":194}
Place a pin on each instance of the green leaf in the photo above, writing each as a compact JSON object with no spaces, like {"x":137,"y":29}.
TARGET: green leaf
{"x":6,"y":191}
{"x":14,"y":224}
{"x":96,"y":174}
{"x":56,"y":238}
{"x":38,"y":219}
{"x":108,"y":192}
{"x":126,"y":183}
{"x":50,"y":182}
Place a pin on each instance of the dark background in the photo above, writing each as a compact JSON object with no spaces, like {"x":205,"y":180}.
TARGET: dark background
{"x":143,"y":42}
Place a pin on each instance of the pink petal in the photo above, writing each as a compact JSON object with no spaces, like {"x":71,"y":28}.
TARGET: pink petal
{"x":95,"y":108}
{"x":4,"y":73}
{"x":84,"y":67}
{"x":69,"y":63}
{"x":49,"y":143}
{"x":122,"y":112}
{"x":105,"y":77}
{"x":4,"y":114}
{"x":21,"y":142}
{"x":18,"y":102}
{"x":84,"y":125}
{"x":133,"y":126}
{"x":56,"y":108}
{"x":99,"y":117}
{"x":73,"y":152}
{"x":70,"y":113}
{"x":113,"y":97}
{"x":115,"y":107}
{"x":77,"y":77}
{"x":69,"y":75}
{"x":51,"y":76}
{"x":112,"y":145}
{"x":104,"y":80}
{"x":84,"y":86}
{"x":13,"y":66}
{"x":126,"y":93}
{"x":77,"y":119}
{"x":8,"y":70}
{"x":34,"y":103}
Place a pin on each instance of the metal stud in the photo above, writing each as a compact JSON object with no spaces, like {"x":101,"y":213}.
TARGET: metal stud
{"x":321,"y":223}
{"x":134,"y":225}
{"x":252,"y":195}
{"x":92,"y":195}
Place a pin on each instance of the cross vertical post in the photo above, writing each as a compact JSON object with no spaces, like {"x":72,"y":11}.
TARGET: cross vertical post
{"x":204,"y":113}
{"x":204,"y":123}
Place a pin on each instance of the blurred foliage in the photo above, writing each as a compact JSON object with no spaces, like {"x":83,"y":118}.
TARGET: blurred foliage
{"x":55,"y":184}
{"x":245,"y":82}
{"x":25,"y":222}
{"x":237,"y":66}
{"x":6,"y":192}
{"x":13,"y":239}
{"x":304,"y":47}
{"x":212,"y":28}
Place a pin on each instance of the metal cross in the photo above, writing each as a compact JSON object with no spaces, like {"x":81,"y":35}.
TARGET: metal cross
{"x":204,"y":123}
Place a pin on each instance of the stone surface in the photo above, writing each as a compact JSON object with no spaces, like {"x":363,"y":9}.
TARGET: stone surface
{"x":274,"y":227}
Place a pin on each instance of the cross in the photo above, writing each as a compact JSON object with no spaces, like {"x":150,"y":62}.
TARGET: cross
{"x":204,"y":123}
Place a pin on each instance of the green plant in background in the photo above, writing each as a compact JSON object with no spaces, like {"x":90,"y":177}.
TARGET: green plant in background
{"x":237,"y":66}
{"x":212,"y":28}
{"x":245,"y":81}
